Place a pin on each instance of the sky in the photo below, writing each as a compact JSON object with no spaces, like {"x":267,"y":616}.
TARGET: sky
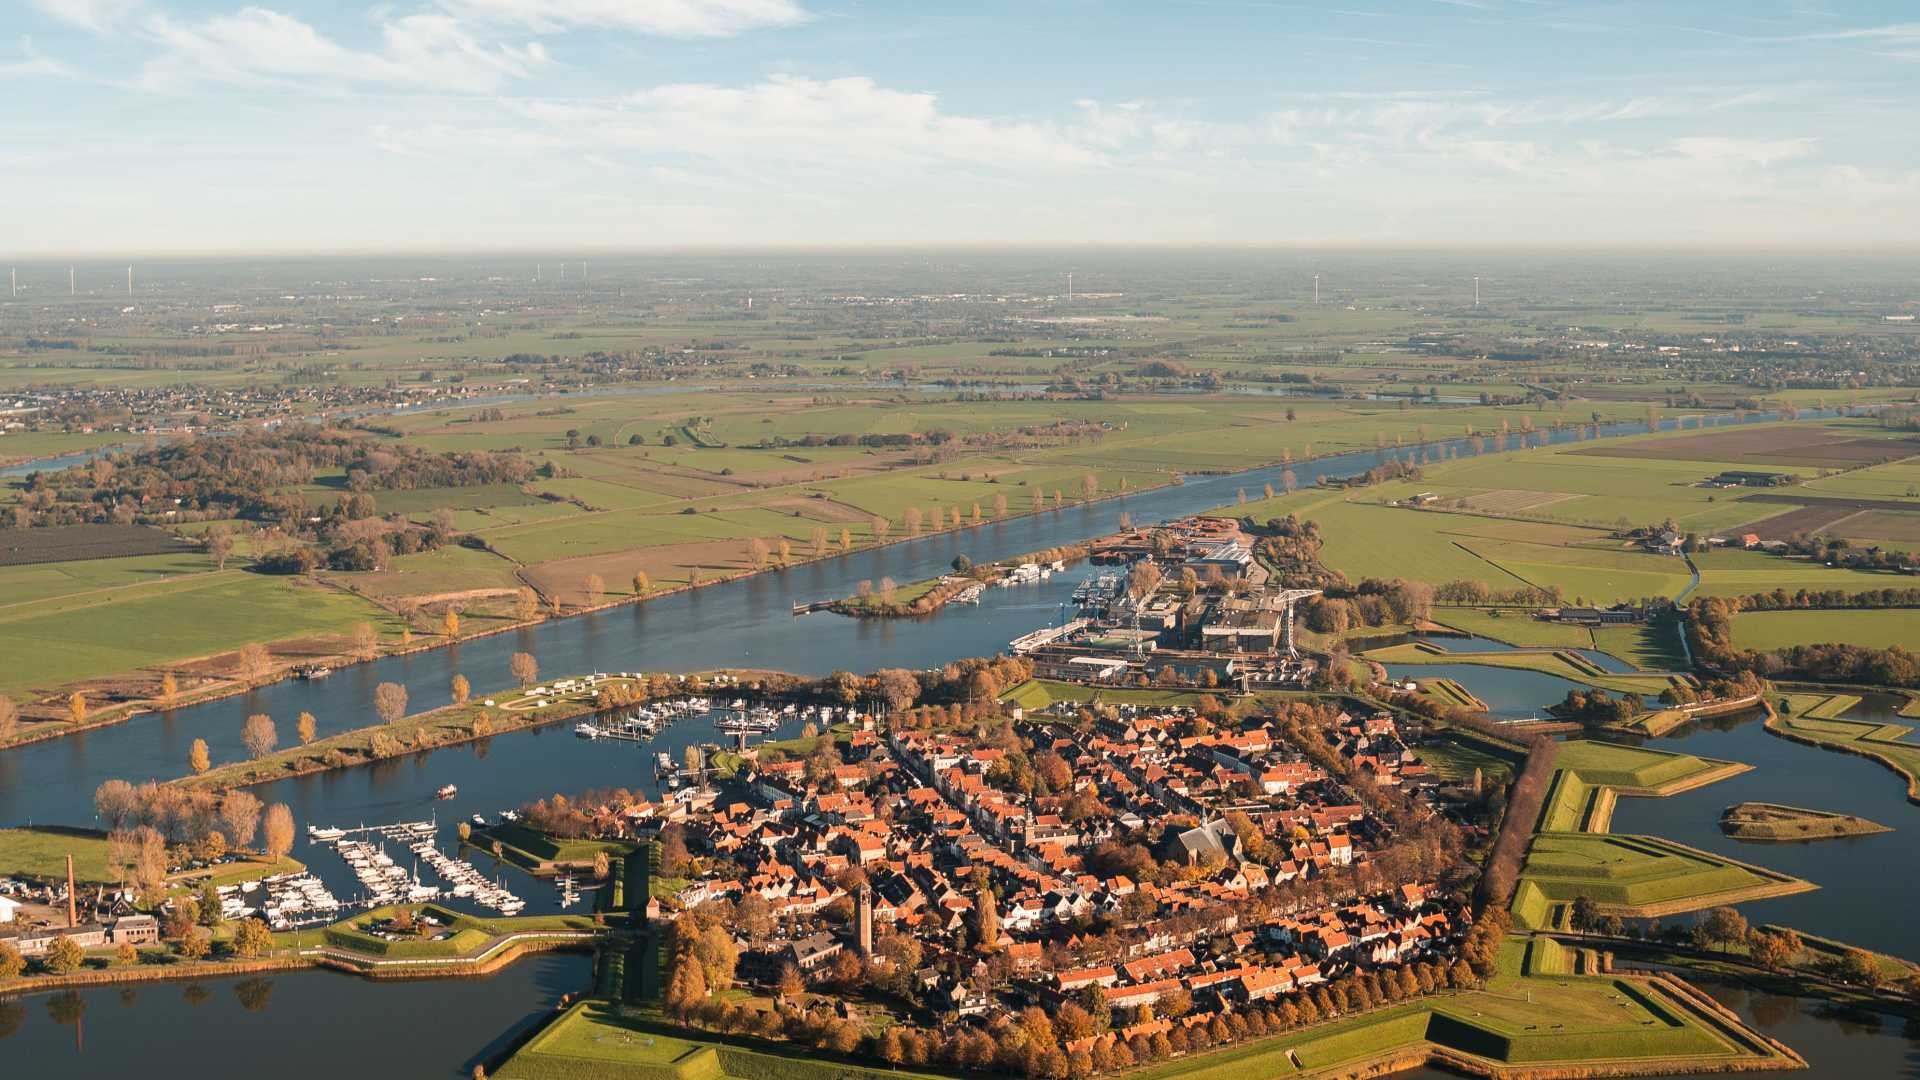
{"x":313,"y":126}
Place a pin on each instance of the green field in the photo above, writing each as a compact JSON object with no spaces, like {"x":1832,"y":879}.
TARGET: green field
{"x":1639,"y":876}
{"x":1650,"y":647}
{"x":1565,"y":665}
{"x":80,"y":636}
{"x":42,"y":853}
{"x":1874,"y":629}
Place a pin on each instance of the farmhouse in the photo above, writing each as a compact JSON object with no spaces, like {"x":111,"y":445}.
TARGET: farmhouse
{"x":1751,"y":478}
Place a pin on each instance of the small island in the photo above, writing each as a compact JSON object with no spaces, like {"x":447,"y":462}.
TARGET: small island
{"x":1770,"y":821}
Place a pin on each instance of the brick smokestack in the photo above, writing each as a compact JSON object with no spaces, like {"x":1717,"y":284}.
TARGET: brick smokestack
{"x":73,"y":908}
{"x":866,"y":922}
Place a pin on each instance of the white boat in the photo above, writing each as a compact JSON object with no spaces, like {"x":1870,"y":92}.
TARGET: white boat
{"x":447,"y":792}
{"x":480,"y":821}
{"x":324,"y":832}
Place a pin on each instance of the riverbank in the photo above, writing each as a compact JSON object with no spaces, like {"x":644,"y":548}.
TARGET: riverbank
{"x":927,"y":597}
{"x":1876,"y":742}
{"x":448,"y":725}
{"x":496,"y":952}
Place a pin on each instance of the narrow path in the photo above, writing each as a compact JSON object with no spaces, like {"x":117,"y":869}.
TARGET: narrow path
{"x":1691,"y":585}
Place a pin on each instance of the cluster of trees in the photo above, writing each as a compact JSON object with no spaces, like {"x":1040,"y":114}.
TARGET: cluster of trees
{"x":1292,"y":547}
{"x":1599,"y":708}
{"x":1034,"y":1043}
{"x":1468,"y":591}
{"x":250,"y":475}
{"x":1372,"y":602}
{"x":1710,"y":634}
{"x":1529,"y":793}
{"x":153,"y":827}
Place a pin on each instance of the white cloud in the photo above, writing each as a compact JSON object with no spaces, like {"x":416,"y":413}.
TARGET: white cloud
{"x":33,"y":63}
{"x":1744,"y":152}
{"x":1898,"y":40}
{"x":256,"y":44}
{"x":670,"y":18}
{"x":791,"y":120}
{"x":98,"y":16}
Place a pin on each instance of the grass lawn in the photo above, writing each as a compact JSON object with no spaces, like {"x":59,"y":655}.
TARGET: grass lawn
{"x":1642,"y":875}
{"x":1876,"y":629}
{"x":56,"y":641}
{"x":41,"y":852}
{"x":1564,"y":664}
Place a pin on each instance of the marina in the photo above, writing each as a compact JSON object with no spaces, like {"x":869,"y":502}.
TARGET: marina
{"x":283,"y":901}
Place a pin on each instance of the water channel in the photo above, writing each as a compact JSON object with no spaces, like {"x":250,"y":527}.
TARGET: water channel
{"x":299,"y":1019}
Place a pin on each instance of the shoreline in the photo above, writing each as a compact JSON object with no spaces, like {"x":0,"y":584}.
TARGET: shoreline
{"x":135,"y":709}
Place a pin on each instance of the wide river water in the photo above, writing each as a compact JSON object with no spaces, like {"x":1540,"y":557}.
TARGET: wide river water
{"x":296,"y":1019}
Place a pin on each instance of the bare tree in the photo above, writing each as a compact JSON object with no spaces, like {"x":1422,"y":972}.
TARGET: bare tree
{"x":999,"y":504}
{"x":819,"y":541}
{"x":913,"y":521}
{"x":757,"y":553}
{"x":846,"y":539}
{"x":366,"y":641}
{"x":259,"y":735}
{"x":240,"y":817}
{"x":461,"y":689}
{"x":593,"y":588}
{"x":525,"y":603}
{"x":390,"y":701}
{"x":253,"y":662}
{"x":881,"y":527}
{"x":219,"y":546}
{"x":9,"y":717}
{"x":641,"y":583}
{"x":278,"y":832}
{"x":116,"y":803}
{"x":524,"y":667}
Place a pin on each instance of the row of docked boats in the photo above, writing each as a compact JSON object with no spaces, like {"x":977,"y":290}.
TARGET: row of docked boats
{"x":463,"y":880}
{"x":383,"y":880}
{"x":643,"y":723}
{"x":282,"y":901}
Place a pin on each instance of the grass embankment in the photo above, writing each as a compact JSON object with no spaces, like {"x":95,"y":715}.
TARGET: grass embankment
{"x":1885,"y":743}
{"x":1770,"y":821}
{"x":538,"y":853}
{"x":456,"y":936}
{"x":1572,"y":855}
{"x":1533,"y":1017}
{"x":444,"y":726}
{"x":1651,"y":646}
{"x":1563,"y":663}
